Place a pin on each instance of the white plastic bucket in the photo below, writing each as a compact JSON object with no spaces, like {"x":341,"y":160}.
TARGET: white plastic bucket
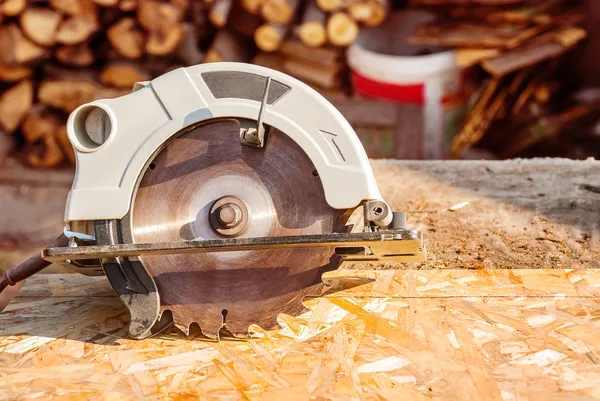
{"x":433,"y":81}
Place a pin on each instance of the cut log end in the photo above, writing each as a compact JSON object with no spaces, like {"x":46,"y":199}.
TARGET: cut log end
{"x":17,"y":49}
{"x":39,"y":123}
{"x":127,"y":38}
{"x":44,"y":129}
{"x":311,"y":29}
{"x":40,"y":25}
{"x":371,"y":13}
{"x":312,"y":34}
{"x":164,"y":41}
{"x":15,"y":103}
{"x":46,"y":153}
{"x":269,"y":37}
{"x":252,"y":6}
{"x":279,"y":11}
{"x":75,"y":30}
{"x":379,"y":12}
{"x":342,"y":30}
{"x":154,"y":14}
{"x":12,"y":8}
{"x":330,"y":5}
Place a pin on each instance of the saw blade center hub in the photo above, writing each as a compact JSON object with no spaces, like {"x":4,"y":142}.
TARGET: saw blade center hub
{"x":229,"y":216}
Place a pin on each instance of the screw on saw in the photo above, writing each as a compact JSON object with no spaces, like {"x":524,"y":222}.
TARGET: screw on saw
{"x":228,"y":216}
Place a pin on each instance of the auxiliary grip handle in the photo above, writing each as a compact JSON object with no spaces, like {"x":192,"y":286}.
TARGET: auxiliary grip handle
{"x":30,"y":267}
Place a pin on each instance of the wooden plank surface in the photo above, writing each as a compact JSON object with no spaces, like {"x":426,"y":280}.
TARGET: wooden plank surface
{"x":429,"y":334}
{"x":506,"y":308}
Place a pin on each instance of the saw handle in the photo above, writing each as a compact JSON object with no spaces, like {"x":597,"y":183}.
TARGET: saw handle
{"x":30,"y":267}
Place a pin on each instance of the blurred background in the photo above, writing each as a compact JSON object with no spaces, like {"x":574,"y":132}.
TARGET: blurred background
{"x":420,"y":79}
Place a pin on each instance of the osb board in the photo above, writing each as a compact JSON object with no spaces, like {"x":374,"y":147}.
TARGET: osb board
{"x":531,"y":334}
{"x":435,"y":330}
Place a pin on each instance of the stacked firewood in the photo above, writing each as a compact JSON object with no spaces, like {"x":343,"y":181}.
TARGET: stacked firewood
{"x":314,"y":22}
{"x":58,"y":54}
{"x":303,"y":38}
{"x":521,"y":45}
{"x":270,"y":23}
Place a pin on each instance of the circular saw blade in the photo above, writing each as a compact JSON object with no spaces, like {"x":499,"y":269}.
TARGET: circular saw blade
{"x":284,"y":196}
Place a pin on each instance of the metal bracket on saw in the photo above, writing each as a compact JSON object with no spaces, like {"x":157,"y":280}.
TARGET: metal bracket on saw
{"x":132,"y":283}
{"x":383,"y":246}
{"x":255,"y":136}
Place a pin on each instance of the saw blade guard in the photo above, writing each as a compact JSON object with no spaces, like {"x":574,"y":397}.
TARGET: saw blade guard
{"x":114,"y":139}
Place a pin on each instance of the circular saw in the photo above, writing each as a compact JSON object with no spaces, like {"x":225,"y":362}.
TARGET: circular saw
{"x":217,"y":195}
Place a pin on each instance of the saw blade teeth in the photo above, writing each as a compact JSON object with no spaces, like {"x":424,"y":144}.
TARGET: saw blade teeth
{"x":185,"y":328}
{"x":207,"y":328}
{"x":236,"y":323}
{"x":217,"y":331}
